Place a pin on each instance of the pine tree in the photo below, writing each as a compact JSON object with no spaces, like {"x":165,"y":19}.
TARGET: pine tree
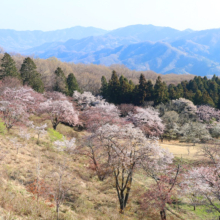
{"x":72,"y":84}
{"x":8,"y":67}
{"x":60,"y":84}
{"x":113,"y":88}
{"x":160,"y":92}
{"x":30,"y":76}
{"x":125,"y":90}
{"x":142,"y":87}
{"x":104,"y":88}
{"x":149,"y":91}
{"x":206,"y":99}
{"x":198,"y":98}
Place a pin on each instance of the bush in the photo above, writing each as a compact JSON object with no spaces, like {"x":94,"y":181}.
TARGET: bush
{"x":54,"y":135}
{"x":2,"y":127}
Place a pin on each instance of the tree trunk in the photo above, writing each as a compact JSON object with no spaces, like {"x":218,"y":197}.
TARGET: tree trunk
{"x":57,"y":210}
{"x":194,"y":208}
{"x":38,"y":138}
{"x":163,"y":214}
{"x":55,"y":126}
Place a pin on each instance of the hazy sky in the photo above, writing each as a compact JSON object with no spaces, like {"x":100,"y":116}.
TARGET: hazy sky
{"x":108,"y":14}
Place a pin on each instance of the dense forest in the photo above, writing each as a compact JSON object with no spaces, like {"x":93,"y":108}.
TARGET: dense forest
{"x":200,"y":91}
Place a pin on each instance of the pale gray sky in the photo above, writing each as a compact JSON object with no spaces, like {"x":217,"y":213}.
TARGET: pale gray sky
{"x":108,"y":14}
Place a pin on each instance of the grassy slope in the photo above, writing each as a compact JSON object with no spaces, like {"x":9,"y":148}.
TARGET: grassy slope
{"x":88,"y":198}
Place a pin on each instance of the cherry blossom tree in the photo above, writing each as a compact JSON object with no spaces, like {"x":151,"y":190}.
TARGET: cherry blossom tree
{"x":66,"y":145}
{"x":59,"y":111}
{"x":23,"y":96}
{"x":55,"y":95}
{"x":40,"y":130}
{"x":207,"y":113}
{"x":98,"y":158}
{"x":124,"y":148}
{"x":147,"y":120}
{"x":207,"y":184}
{"x":24,"y":134}
{"x":60,"y":179}
{"x":17,"y":144}
{"x":12,"y":113}
{"x":194,"y":132}
{"x":17,"y":104}
{"x":164,"y":189}
{"x":101,"y":114}
{"x":9,"y":82}
{"x":204,"y":181}
{"x":86,"y":99}
{"x":125,"y":109}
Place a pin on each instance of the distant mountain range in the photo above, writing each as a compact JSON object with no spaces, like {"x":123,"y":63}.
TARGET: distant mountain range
{"x":140,"y":47}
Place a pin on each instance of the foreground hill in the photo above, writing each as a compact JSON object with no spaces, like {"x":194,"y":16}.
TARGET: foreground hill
{"x":87,"y":198}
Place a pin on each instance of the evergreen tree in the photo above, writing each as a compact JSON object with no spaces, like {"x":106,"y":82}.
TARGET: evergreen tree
{"x":206,"y":99}
{"x":125,"y":90}
{"x":149,"y":91}
{"x":8,"y":67}
{"x":60,"y":81}
{"x":30,"y":76}
{"x":104,"y":87}
{"x":160,"y":92}
{"x":198,"y":98}
{"x":72,"y":84}
{"x":114,"y":88}
{"x":142,"y":90}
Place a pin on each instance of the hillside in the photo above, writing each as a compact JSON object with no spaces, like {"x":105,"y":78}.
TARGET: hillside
{"x":54,"y":175}
{"x":89,"y":76}
{"x":87,"y":199}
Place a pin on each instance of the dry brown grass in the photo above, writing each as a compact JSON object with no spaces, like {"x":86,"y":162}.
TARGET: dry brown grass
{"x":184,"y":150}
{"x":88,"y":198}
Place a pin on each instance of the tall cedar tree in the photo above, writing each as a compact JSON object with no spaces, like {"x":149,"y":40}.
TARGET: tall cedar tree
{"x":142,"y":90}
{"x":30,"y":76}
{"x":114,"y":88}
{"x":149,"y":91}
{"x":160,"y":92}
{"x":104,"y":87}
{"x":60,"y":84}
{"x":8,"y":67}
{"x":72,"y":84}
{"x":125,"y":90}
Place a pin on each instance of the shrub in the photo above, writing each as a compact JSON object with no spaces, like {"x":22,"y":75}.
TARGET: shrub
{"x":2,"y":127}
{"x":54,"y":135}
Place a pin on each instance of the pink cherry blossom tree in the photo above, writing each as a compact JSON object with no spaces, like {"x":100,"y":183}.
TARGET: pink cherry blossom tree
{"x":165,"y":188}
{"x":96,"y":116}
{"x":147,"y":120}
{"x":86,"y":99}
{"x":207,"y":113}
{"x":59,"y":111}
{"x":12,"y":113}
{"x":24,"y":96}
{"x":124,"y":147}
{"x":17,"y":104}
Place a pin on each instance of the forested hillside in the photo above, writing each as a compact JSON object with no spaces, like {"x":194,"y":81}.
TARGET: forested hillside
{"x":144,"y":151}
{"x":200,"y":90}
{"x":89,"y":76}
